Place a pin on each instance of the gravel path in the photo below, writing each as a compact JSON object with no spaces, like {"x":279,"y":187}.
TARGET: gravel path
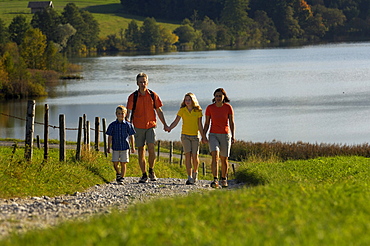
{"x":20,"y":214}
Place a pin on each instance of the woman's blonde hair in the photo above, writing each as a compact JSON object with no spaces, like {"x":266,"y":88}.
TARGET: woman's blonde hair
{"x":194,"y":100}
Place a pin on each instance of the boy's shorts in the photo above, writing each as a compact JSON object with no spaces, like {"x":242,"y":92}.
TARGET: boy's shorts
{"x":143,"y":136}
{"x":220,"y":142}
{"x":120,"y":155}
{"x":190,"y":143}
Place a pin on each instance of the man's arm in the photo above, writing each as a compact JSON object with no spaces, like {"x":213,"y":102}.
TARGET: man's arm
{"x":128,"y":115}
{"x":161,"y":117}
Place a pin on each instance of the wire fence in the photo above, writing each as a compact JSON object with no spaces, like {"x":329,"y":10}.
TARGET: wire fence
{"x":40,"y":123}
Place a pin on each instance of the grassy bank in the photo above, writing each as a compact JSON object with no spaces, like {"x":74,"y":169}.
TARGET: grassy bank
{"x":322,"y":201}
{"x":317,"y":202}
{"x":20,"y":178}
{"x":108,"y":13}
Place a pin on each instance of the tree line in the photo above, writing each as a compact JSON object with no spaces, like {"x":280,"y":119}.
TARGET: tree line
{"x":28,"y":50}
{"x":32,"y":54}
{"x":260,"y":22}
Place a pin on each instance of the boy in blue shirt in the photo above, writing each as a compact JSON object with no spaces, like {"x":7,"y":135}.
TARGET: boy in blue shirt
{"x":120,"y":138}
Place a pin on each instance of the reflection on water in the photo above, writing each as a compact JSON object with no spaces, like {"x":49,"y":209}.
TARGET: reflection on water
{"x":312,"y":94}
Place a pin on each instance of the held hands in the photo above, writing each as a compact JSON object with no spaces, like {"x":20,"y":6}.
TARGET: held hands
{"x":204,"y":140}
{"x":167,"y":129}
{"x":133,"y":150}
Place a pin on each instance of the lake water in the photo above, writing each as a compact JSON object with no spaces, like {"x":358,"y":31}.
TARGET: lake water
{"x":311,"y":94}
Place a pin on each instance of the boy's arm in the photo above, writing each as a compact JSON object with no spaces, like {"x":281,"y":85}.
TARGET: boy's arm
{"x":132,"y":143}
{"x":109,"y":144}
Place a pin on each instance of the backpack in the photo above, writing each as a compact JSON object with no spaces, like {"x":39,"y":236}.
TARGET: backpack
{"x":136,"y":95}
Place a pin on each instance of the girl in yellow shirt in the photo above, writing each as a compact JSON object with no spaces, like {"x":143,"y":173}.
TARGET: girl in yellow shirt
{"x":191,"y":114}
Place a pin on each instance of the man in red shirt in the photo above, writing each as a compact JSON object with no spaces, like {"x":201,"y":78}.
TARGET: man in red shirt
{"x":142,"y":106}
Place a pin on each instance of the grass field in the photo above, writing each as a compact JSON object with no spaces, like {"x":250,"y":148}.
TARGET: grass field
{"x":322,"y":201}
{"x":108,"y":13}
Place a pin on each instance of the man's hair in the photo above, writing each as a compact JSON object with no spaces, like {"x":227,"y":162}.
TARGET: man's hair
{"x":141,"y":75}
{"x":122,"y":108}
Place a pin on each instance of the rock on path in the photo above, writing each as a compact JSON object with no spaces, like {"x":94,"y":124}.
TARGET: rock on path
{"x":22,"y":214}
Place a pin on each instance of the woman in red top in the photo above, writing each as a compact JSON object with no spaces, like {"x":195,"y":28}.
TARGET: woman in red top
{"x":220,"y":116}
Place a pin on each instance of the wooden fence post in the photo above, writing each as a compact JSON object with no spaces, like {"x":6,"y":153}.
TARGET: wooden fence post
{"x":38,"y":141}
{"x":105,"y":137}
{"x":30,"y":126}
{"x":97,"y":133}
{"x":158,"y":149}
{"x":46,"y":132}
{"x":62,"y":137}
{"x":79,"y":139}
{"x":88,"y":135}
{"x":171,"y":151}
{"x":84,"y":128}
{"x":181,"y":154}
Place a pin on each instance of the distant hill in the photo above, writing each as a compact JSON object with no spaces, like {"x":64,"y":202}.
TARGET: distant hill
{"x":108,"y":13}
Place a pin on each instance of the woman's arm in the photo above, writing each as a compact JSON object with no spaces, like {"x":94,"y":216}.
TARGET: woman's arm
{"x":201,"y":130}
{"x":232,"y":127}
{"x":206,"y":124}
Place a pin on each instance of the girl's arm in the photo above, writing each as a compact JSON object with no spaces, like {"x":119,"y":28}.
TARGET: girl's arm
{"x":201,"y":130}
{"x":175,"y":122}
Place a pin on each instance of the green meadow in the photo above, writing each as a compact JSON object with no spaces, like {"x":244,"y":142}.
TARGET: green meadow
{"x":108,"y":13}
{"x":322,"y":201}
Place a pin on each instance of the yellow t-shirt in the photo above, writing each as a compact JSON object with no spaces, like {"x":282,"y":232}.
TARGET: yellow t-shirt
{"x":189,"y":121}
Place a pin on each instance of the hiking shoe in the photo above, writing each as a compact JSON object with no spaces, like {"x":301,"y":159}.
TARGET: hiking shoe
{"x":143,"y":179}
{"x":120,"y":181}
{"x":215,"y":184}
{"x":224,"y":183}
{"x":152,"y":176}
{"x":195,"y":176}
{"x":118,"y":177}
{"x":190,"y":181}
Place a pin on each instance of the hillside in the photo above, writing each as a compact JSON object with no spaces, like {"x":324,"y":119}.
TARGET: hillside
{"x":106,"y":12}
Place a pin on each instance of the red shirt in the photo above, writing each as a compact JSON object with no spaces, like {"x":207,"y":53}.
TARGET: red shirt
{"x":144,"y":114}
{"x":219,"y":117}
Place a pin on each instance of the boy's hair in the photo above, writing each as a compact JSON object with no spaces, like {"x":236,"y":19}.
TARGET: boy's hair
{"x":194,"y":100}
{"x":122,"y":108}
{"x":141,"y":75}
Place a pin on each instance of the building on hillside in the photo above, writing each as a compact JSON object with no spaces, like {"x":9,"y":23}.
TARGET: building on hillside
{"x":39,"y":6}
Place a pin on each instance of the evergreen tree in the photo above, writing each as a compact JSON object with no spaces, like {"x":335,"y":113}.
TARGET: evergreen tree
{"x":17,"y":29}
{"x":47,"y":22}
{"x":150,"y":34}
{"x":4,"y":33}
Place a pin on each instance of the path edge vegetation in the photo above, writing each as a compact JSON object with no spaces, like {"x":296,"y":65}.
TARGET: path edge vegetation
{"x":292,"y":202}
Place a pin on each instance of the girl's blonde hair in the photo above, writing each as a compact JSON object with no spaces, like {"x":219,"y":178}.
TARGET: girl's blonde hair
{"x":194,"y":100}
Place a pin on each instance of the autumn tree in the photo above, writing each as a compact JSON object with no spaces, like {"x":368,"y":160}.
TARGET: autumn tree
{"x":32,"y":49}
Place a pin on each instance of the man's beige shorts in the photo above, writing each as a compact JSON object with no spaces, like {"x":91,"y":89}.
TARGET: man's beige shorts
{"x":143,"y":136}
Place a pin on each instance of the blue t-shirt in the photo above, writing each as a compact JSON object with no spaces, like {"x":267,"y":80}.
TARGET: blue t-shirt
{"x":120,"y":131}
